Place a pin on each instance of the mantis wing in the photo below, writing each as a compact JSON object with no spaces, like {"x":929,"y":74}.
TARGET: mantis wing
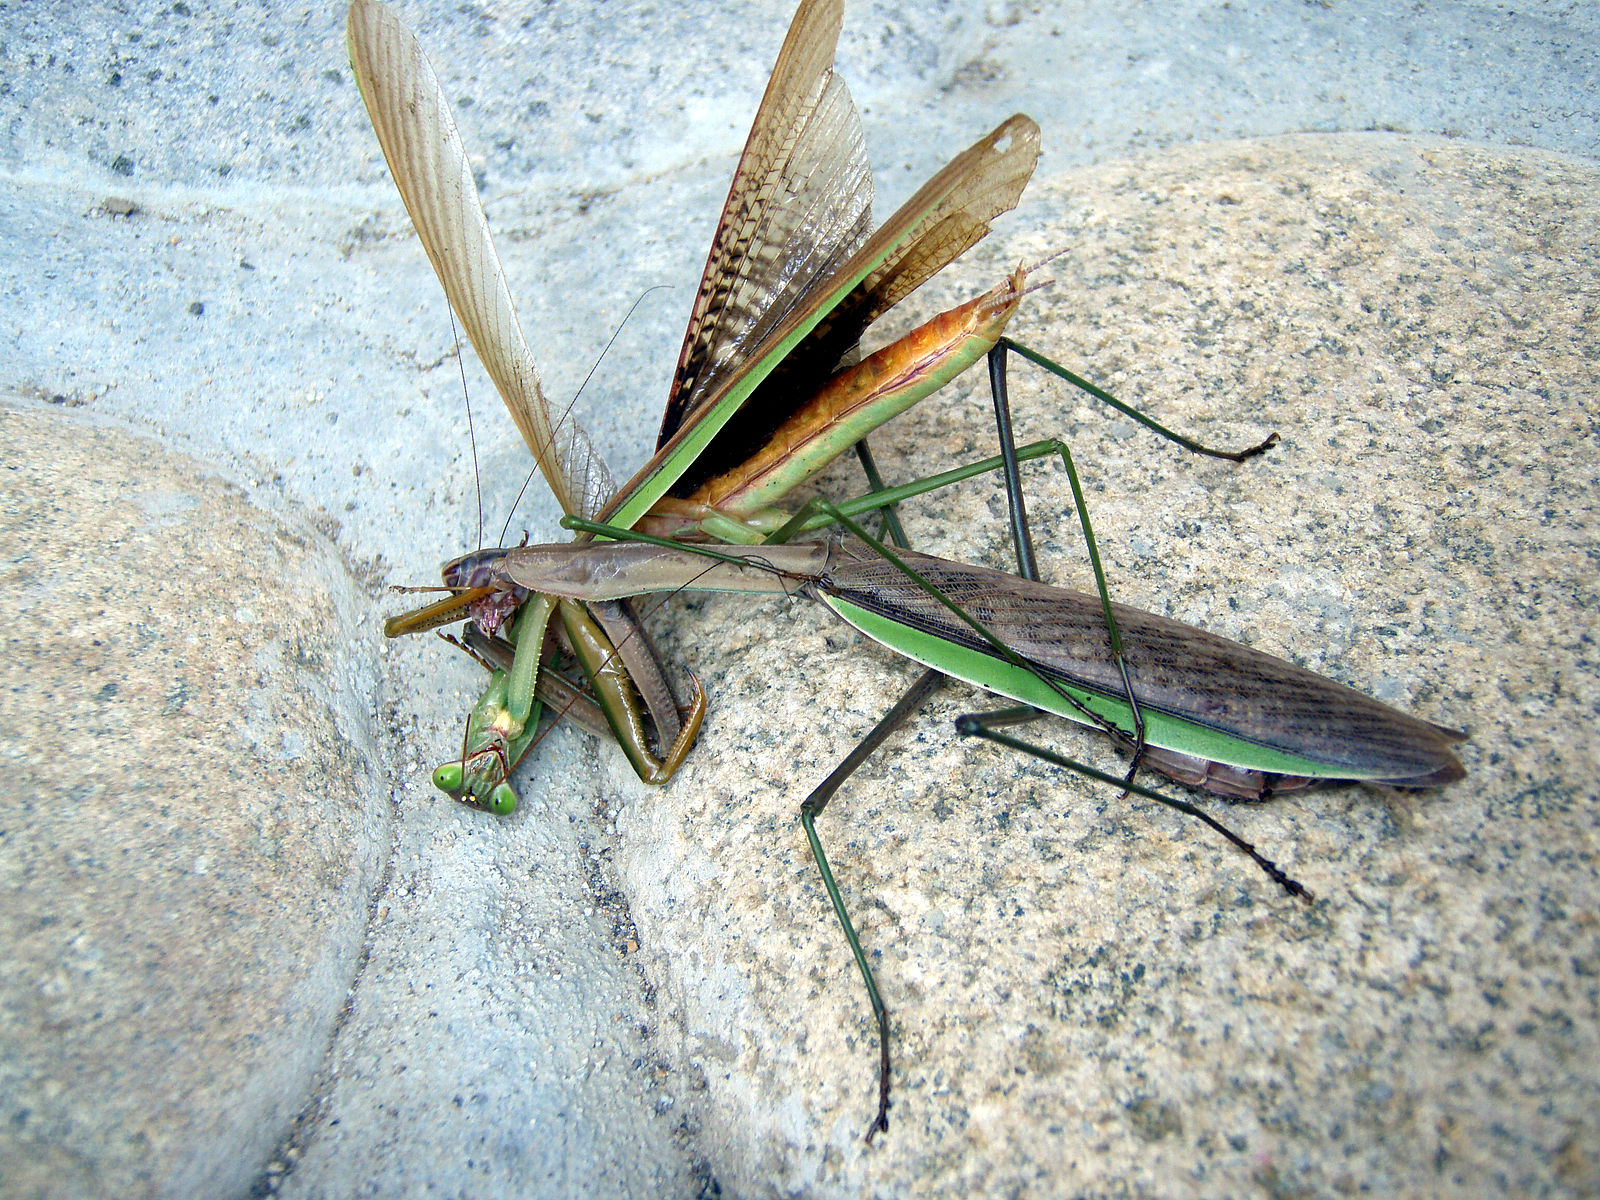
{"x":425,"y":156}
{"x":794,"y":224}
{"x":799,"y":206}
{"x":947,"y":214}
{"x":988,"y":180}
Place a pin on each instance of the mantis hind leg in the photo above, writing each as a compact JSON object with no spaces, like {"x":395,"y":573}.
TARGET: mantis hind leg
{"x":1022,"y":538}
{"x":915,"y":696}
{"x":913,"y":699}
{"x":1127,"y":410}
{"x":929,"y":681}
{"x":988,"y":725}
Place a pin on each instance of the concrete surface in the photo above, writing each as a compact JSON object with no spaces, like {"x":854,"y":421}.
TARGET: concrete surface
{"x":634,"y":991}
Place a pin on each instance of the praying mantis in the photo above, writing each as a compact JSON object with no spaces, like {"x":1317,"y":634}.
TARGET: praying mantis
{"x":793,"y":279}
{"x":765,"y":332}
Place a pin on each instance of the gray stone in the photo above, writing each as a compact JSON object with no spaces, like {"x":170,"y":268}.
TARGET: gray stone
{"x":1093,"y":996}
{"x":194,"y":819}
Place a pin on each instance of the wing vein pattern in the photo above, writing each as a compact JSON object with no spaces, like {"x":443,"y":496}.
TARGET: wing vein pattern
{"x":423,"y":149}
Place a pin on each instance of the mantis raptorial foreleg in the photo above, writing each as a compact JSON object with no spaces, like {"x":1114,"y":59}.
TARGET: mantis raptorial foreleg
{"x":603,"y":664}
{"x":491,"y":747}
{"x":501,"y":726}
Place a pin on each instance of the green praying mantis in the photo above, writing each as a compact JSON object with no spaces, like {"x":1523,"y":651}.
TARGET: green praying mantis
{"x":757,"y":407}
{"x":767,"y":328}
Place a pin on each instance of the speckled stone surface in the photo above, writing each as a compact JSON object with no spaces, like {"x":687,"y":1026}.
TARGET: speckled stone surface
{"x":1093,"y":997}
{"x":232,"y":960}
{"x":1088,"y":996}
{"x":193,"y":817}
{"x":626,"y":991}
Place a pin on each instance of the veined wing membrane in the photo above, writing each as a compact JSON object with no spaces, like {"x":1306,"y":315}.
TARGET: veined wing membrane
{"x":972,"y":173}
{"x":799,"y":205}
{"x":429,"y":165}
{"x":992,"y":175}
